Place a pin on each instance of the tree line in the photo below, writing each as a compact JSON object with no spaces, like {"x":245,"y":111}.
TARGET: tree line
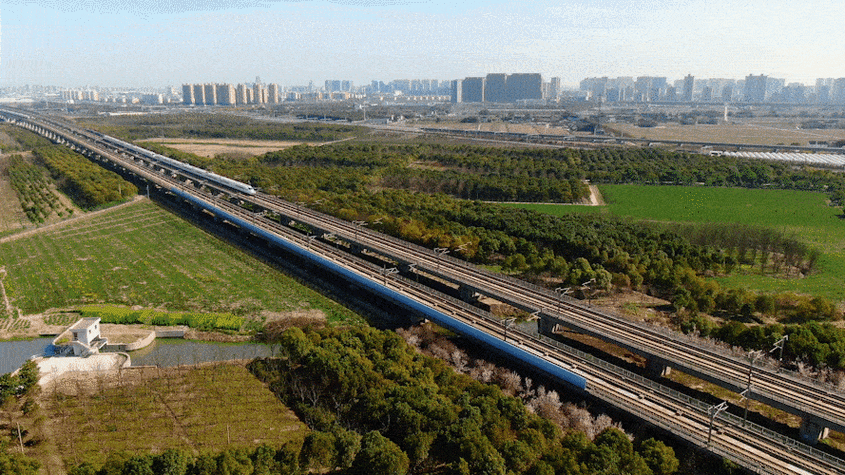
{"x":87,"y":184}
{"x":32,"y":186}
{"x":364,"y":388}
{"x":195,"y":125}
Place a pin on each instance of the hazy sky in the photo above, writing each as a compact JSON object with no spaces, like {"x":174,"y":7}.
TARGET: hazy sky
{"x":158,"y":43}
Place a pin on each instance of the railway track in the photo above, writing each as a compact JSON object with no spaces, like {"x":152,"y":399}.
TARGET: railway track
{"x":751,"y":446}
{"x":782,"y":388}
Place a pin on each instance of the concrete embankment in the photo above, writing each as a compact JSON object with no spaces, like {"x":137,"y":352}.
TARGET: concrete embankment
{"x":51,"y":368}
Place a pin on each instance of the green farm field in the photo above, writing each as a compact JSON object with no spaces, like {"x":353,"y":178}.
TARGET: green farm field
{"x":805,"y":215}
{"x":196,"y":409}
{"x":140,"y":254}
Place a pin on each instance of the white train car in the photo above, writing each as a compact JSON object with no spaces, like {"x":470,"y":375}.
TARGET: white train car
{"x":190,"y":169}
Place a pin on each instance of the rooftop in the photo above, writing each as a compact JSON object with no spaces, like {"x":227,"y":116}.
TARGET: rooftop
{"x":84,"y":323}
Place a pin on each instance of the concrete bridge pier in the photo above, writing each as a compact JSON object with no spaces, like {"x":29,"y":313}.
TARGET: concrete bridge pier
{"x":658,"y":368}
{"x":546,"y":326}
{"x":813,"y":430}
{"x":468,"y":294}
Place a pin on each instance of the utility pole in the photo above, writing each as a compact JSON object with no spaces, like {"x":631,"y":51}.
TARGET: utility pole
{"x":387,"y":272}
{"x":561,"y":291}
{"x":587,"y":284}
{"x":779,"y":346}
{"x":440,"y":252}
{"x":714,"y":411}
{"x":752,"y":356}
{"x":508,"y":323}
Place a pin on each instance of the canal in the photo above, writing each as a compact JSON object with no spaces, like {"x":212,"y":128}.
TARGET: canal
{"x":162,"y":352}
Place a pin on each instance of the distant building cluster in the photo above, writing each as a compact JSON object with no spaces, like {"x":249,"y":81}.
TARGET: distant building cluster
{"x":504,"y":88}
{"x":753,"y":89}
{"x":494,"y":88}
{"x":409,"y":87}
{"x":146,"y":96}
{"x":230,"y":95}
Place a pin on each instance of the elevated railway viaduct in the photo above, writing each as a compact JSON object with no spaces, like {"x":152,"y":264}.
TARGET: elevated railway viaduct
{"x":753,"y":447}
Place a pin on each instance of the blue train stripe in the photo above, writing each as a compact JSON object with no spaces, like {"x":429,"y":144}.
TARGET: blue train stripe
{"x":438,"y":317}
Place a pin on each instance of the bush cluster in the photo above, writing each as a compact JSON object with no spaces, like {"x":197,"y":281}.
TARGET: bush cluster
{"x":33,"y":189}
{"x":88,"y":184}
{"x":373,"y":401}
{"x":200,"y":321}
{"x":217,"y":126}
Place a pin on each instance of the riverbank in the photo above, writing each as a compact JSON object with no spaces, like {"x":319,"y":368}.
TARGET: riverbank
{"x":54,"y":322}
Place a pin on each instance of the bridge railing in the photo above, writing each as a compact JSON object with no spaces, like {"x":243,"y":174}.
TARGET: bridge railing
{"x":703,"y":345}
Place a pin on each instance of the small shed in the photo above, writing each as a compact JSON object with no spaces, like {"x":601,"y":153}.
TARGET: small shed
{"x":86,"y":338}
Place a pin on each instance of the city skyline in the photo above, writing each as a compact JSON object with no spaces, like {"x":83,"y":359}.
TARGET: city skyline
{"x":144,"y":44}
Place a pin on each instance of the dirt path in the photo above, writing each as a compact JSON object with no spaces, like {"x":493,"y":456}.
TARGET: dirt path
{"x":596,"y":199}
{"x":6,"y":304}
{"x":75,"y":219}
{"x":212,"y":147}
{"x":335,"y":141}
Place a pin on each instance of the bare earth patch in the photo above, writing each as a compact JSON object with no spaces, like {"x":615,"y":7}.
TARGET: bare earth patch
{"x":213,"y":147}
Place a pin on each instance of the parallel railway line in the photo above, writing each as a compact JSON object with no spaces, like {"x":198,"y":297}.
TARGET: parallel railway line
{"x":789,"y":391}
{"x":755,"y":448}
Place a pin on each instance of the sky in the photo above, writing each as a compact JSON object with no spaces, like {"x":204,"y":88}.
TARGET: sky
{"x":156,"y":43}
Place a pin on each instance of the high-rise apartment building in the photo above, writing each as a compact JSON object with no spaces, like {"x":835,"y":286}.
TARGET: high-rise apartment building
{"x":755,"y":88}
{"x":258,"y":94}
{"x":273,"y":96}
{"x":210,"y":94}
{"x":226,"y":95}
{"x":554,"y":88}
{"x":727,"y":93}
{"x":241,"y":96}
{"x":837,"y":91}
{"x":199,"y":94}
{"x":496,"y":88}
{"x":524,"y":86}
{"x":473,"y":90}
{"x":689,"y":83}
{"x":457,"y":91}
{"x":188,"y":94}
{"x":706,"y":94}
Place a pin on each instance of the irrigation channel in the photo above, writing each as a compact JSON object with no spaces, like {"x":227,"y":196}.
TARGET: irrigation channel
{"x":162,"y":352}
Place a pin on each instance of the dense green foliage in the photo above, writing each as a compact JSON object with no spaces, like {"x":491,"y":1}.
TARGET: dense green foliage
{"x":201,"y":321}
{"x":821,"y":345}
{"x":262,"y":460}
{"x":196,"y":125}
{"x":510,"y":174}
{"x":452,"y":170}
{"x":13,"y":463}
{"x":88,"y":184}
{"x":417,"y":414}
{"x":19,"y":384}
{"x":32,"y":186}
{"x":657,"y":166}
{"x":13,"y":388}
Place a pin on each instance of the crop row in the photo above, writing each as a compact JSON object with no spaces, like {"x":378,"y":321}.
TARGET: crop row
{"x":201,"y":321}
{"x":33,"y":189}
{"x":88,"y":184}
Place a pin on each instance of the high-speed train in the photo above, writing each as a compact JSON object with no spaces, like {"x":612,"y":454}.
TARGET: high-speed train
{"x":190,"y":169}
